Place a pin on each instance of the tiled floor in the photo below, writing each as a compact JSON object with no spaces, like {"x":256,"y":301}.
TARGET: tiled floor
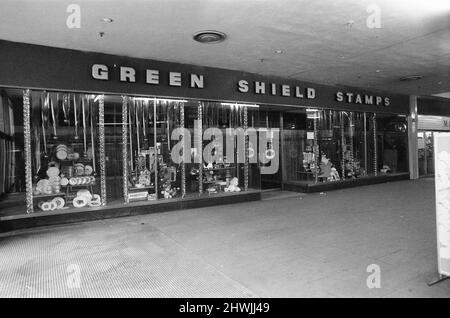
{"x":288,"y":245}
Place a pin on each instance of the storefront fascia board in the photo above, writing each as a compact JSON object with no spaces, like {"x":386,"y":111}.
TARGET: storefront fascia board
{"x":40,"y":67}
{"x":435,"y":123}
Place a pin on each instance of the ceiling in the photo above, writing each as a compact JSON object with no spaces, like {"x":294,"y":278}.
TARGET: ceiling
{"x":326,"y":41}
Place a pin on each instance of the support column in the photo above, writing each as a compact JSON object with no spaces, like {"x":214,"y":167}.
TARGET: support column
{"x":412,"y":139}
{"x":125,"y":148}
{"x":101,"y":132}
{"x":27,"y":148}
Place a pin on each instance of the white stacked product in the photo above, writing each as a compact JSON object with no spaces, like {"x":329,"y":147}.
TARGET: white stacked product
{"x":85,"y":198}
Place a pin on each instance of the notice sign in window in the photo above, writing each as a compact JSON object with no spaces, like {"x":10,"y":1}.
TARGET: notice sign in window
{"x":442,"y":166}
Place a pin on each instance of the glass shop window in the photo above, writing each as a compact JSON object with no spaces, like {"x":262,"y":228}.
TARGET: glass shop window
{"x":113,"y":148}
{"x":12,"y":157}
{"x":392,"y":143}
{"x":65,"y":151}
{"x":222,"y":170}
{"x":326,"y":145}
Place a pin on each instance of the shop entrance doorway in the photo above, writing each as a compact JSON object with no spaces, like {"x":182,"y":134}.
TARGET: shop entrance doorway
{"x":425,"y":153}
{"x":265,"y":118}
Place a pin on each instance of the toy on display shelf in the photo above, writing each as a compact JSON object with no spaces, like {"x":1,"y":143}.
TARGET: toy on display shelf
{"x":168,"y":176}
{"x":233,"y":186}
{"x":309,"y":161}
{"x":327,"y":170}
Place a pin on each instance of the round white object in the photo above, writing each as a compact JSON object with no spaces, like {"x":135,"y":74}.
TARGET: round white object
{"x":88,"y":170}
{"x":95,"y":201}
{"x":73,"y":181}
{"x":61,"y":154}
{"x":52,"y":172}
{"x":59,"y":202}
{"x":64,"y":181}
{"x":46,"y":206}
{"x":42,"y":184}
{"x":79,"y":202}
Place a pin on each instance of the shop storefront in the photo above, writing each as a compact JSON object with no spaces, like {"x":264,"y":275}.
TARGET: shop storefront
{"x":87,"y":134}
{"x":434,"y":116}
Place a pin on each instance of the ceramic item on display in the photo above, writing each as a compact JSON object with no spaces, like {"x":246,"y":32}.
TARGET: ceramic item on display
{"x":72,"y":181}
{"x":56,"y":189}
{"x":47,"y":189}
{"x":45,"y":206}
{"x":64,"y":181}
{"x":59,"y":201}
{"x":88,"y":170}
{"x":42,"y":184}
{"x":95,"y":201}
{"x":79,"y":169}
{"x":84,"y":193}
{"x":80,"y":202}
{"x":52,"y":172}
{"x":53,"y":180}
{"x":61,"y":154}
{"x":53,"y":164}
{"x":53,"y":205}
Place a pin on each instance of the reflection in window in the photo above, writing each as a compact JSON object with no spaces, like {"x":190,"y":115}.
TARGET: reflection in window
{"x":12,"y":159}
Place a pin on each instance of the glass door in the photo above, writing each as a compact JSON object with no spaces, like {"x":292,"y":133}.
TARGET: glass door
{"x":425,"y":153}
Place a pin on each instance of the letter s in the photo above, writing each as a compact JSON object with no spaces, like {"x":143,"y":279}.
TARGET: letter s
{"x":243,"y":86}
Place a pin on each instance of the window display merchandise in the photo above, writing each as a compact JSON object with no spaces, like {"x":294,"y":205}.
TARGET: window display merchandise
{"x":65,"y":156}
{"x":329,"y":146}
{"x":73,"y":159}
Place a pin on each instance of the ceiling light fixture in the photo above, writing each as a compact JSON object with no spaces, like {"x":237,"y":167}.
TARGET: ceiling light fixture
{"x":279,"y":51}
{"x":107,"y":20}
{"x":209,"y":37}
{"x":411,"y":78}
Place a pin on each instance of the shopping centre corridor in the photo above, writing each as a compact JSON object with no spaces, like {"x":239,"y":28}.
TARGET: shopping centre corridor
{"x":288,"y":245}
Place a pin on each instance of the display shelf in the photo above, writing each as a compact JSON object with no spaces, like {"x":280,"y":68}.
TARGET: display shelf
{"x":40,"y":196}
{"x":140,"y":188}
{"x":218,"y":169}
{"x":75,"y":160}
{"x":79,"y":185}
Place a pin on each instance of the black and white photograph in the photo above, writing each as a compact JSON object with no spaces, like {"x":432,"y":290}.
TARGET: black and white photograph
{"x":222,"y":156}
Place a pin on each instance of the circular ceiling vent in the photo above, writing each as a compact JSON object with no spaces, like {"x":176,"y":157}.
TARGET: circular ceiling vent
{"x":209,"y":37}
{"x":411,"y":78}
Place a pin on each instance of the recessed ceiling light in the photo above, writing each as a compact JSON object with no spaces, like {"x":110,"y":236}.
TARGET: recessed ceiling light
{"x":411,"y":78}
{"x":209,"y":36}
{"x":378,"y":71}
{"x":107,"y":20}
{"x":279,"y":51}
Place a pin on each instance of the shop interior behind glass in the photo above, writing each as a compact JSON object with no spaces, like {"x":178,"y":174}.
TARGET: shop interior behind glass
{"x":88,"y":151}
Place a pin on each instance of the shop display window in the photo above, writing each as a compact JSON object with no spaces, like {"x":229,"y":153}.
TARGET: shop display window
{"x":392,"y":142}
{"x":75,"y":151}
{"x":325,"y":145}
{"x":223,"y":168}
{"x":65,"y":151}
{"x":12,"y":157}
